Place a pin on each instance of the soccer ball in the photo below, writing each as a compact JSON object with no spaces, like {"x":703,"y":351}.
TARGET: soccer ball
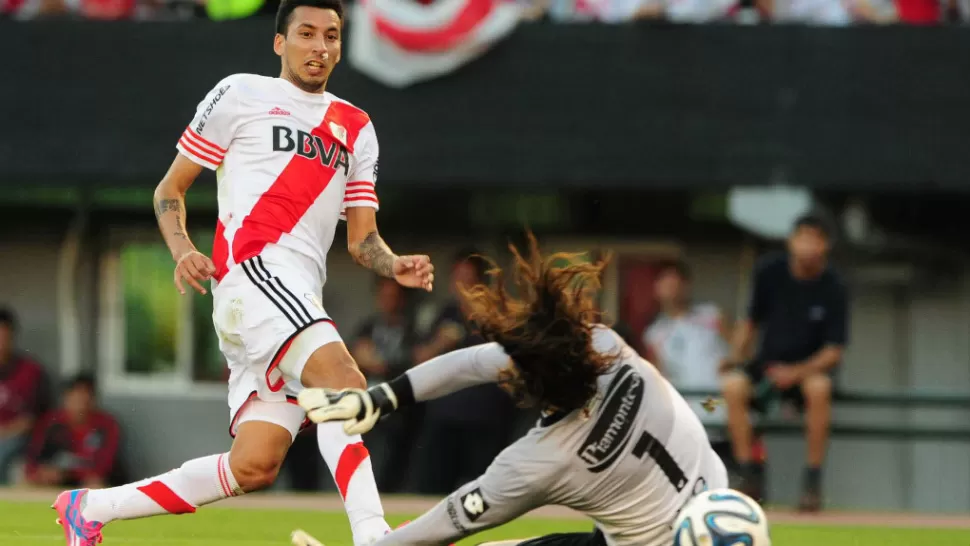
{"x":722,"y":517}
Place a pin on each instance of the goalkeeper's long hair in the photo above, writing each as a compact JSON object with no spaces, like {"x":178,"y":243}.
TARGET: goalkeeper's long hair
{"x":545,"y":326}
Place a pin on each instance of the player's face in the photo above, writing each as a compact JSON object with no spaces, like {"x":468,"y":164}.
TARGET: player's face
{"x":311,"y":47}
{"x":809,"y":246}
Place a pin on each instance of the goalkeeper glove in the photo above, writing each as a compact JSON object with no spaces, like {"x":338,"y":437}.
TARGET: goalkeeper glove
{"x":358,"y":409}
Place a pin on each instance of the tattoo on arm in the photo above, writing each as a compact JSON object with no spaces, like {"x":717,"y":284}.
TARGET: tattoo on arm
{"x":172,"y":205}
{"x":374,"y":254}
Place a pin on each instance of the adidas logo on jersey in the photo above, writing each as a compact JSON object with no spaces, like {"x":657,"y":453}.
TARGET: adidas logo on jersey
{"x":278,"y":112}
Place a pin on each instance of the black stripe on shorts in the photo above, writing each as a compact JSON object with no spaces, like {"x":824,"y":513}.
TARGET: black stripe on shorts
{"x":276,"y":298}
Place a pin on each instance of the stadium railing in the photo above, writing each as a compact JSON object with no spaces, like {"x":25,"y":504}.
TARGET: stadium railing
{"x":775,"y":424}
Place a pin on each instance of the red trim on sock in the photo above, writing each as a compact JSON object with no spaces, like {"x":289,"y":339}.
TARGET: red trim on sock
{"x":223,"y":482}
{"x":166,"y":498}
{"x":351,"y":458}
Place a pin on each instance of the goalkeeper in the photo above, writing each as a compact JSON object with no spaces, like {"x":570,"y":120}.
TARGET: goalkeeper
{"x":615,"y":441}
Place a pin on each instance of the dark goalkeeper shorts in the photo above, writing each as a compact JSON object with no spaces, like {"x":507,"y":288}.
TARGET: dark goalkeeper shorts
{"x":595,"y":538}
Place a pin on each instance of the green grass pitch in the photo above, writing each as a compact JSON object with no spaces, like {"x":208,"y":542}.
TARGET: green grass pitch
{"x":32,"y":524}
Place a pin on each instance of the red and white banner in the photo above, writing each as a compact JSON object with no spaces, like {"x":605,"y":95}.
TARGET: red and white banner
{"x":402,"y":42}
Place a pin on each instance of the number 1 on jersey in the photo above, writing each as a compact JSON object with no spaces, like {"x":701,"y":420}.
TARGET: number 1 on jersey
{"x":651,"y":446}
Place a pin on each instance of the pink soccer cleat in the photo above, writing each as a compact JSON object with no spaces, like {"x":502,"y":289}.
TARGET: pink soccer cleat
{"x":77,"y":531}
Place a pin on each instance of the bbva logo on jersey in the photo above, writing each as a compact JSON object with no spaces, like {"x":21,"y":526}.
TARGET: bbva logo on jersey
{"x":614,"y":426}
{"x":311,"y":147}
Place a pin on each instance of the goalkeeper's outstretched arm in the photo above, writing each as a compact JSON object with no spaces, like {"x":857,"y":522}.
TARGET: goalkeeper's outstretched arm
{"x":452,"y":372}
{"x":443,"y":375}
{"x":440,"y":376}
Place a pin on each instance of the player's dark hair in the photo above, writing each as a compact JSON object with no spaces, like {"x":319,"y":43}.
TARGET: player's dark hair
{"x":8,"y":318}
{"x":813,"y":221}
{"x":546,"y":328}
{"x":285,"y":11}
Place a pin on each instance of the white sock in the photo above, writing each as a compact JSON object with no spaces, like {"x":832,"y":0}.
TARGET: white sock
{"x":350,"y":465}
{"x":180,"y":491}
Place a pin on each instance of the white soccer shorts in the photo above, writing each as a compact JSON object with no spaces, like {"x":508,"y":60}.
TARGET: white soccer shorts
{"x":269,"y":320}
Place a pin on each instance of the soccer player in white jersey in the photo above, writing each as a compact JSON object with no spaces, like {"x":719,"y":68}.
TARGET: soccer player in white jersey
{"x":616,"y":442}
{"x":291,"y":160}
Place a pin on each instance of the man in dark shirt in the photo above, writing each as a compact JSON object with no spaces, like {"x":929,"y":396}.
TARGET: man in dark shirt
{"x":463,"y":431}
{"x":75,"y":445}
{"x":24,"y":395}
{"x":799,"y":307}
{"x":383,"y":348}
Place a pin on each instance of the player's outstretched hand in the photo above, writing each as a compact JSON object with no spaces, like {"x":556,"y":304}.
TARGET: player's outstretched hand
{"x":414,"y":272}
{"x":354,"y":407}
{"x":194,"y":268}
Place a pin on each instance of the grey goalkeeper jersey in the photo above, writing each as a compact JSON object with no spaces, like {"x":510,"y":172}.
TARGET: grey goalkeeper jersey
{"x":629,"y":460}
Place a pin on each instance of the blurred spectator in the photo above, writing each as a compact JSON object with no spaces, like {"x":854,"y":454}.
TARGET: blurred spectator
{"x":799,"y":307}
{"x":463,"y":431}
{"x":676,"y":11}
{"x":685,"y":342}
{"x":76,"y":445}
{"x":619,"y":11}
{"x":24,"y":395}
{"x":846,"y":12}
{"x":383,"y":349}
{"x":88,"y":9}
{"x":385,"y":341}
{"x":107,"y":9}
{"x":810,"y":12}
{"x":908,"y":12}
{"x":957,"y":10}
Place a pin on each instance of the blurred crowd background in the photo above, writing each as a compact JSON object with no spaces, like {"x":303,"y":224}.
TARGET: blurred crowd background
{"x":696,"y":155}
{"x":810,"y":12}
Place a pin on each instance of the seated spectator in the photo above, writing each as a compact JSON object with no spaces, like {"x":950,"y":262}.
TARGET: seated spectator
{"x":76,"y":445}
{"x":465,"y":430}
{"x":24,"y":396}
{"x":383,"y":349}
{"x":685,"y":343}
{"x":799,"y":307}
